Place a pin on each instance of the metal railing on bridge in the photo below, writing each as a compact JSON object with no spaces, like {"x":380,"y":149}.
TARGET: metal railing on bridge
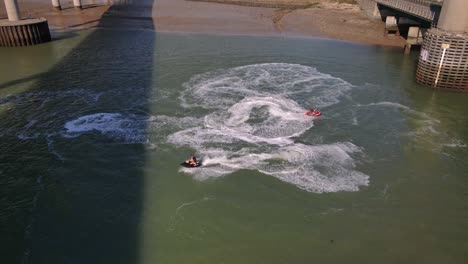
{"x":425,"y":2}
{"x":419,"y":8}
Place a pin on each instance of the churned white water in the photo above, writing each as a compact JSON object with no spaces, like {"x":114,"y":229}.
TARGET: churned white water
{"x":253,"y":119}
{"x":257,"y":113}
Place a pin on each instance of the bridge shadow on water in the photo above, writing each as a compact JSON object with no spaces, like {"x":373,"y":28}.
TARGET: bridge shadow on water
{"x":79,"y":199}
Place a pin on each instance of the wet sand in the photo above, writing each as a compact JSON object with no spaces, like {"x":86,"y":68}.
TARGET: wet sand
{"x":321,"y":19}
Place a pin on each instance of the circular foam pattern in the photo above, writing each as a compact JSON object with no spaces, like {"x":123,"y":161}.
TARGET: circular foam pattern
{"x":255,"y":117}
{"x":223,"y":88}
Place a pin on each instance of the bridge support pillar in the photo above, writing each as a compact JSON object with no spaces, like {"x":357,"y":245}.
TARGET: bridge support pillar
{"x":370,"y":8}
{"x":414,"y":38}
{"x":391,"y":26}
{"x":442,"y":62}
{"x":15,"y":31}
{"x":12,"y":10}
{"x":56,"y":4}
{"x":25,"y":32}
{"x":407,"y":49}
{"x":77,"y":4}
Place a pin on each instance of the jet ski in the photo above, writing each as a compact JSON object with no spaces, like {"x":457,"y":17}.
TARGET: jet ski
{"x":313,"y":112}
{"x":191,"y":165}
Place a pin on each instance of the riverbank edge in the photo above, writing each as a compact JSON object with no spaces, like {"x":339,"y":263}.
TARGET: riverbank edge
{"x":301,"y":20}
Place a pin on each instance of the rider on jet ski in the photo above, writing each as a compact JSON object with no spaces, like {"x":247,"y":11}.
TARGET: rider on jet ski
{"x":192,"y":160}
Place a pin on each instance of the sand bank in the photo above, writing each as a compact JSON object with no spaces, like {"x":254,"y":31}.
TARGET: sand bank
{"x":307,"y":18}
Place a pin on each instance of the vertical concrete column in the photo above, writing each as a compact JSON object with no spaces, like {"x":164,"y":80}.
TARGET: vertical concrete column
{"x":12,"y":10}
{"x":414,"y":38}
{"x":375,"y":11}
{"x":56,"y":4}
{"x":454,"y":16}
{"x":77,"y":3}
{"x":414,"y":33}
{"x":391,"y":26}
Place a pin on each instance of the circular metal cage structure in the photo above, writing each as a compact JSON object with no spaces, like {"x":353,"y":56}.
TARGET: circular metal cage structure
{"x":24,"y":32}
{"x":443,"y":61}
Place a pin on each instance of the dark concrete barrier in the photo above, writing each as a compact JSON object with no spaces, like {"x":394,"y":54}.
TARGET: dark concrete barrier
{"x":24,"y":32}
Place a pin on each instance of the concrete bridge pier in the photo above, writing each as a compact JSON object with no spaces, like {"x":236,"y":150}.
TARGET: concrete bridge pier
{"x":370,"y":8}
{"x":415,"y":37}
{"x":56,"y":4}
{"x":12,"y":10}
{"x":443,"y":62}
{"x":391,"y":26}
{"x":15,"y":31}
{"x":77,"y":4}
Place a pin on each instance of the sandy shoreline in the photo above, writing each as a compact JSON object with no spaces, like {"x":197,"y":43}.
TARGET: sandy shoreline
{"x":299,"y":18}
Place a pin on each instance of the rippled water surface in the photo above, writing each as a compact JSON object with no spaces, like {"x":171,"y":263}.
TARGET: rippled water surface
{"x":94,"y":126}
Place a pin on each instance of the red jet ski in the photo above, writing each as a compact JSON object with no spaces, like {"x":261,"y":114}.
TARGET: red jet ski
{"x":313,"y":112}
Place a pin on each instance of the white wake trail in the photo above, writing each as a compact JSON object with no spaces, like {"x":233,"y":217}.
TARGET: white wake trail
{"x":255,"y":119}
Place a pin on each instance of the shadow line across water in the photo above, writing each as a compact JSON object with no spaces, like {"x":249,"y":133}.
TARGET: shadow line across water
{"x":81,"y":208}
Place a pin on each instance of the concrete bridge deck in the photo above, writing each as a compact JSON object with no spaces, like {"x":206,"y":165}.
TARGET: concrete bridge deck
{"x":418,"y":8}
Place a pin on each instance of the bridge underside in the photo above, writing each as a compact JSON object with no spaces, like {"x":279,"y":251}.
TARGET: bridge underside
{"x":404,"y":19}
{"x":389,"y":11}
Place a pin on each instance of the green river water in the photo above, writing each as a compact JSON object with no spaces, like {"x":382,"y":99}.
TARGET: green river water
{"x":94,"y":126}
